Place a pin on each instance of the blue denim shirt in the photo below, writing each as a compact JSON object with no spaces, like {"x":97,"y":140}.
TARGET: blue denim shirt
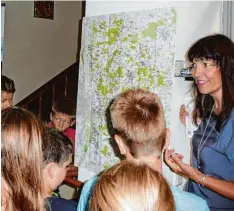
{"x":216,"y":159}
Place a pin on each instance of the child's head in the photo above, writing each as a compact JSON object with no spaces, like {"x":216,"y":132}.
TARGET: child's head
{"x":21,"y":134}
{"x":128,"y":186}
{"x":57,"y":157}
{"x":138,"y":119}
{"x":63,"y":114}
{"x":7,"y":92}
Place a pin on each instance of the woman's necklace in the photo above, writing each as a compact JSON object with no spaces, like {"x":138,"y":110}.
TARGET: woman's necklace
{"x":201,"y":144}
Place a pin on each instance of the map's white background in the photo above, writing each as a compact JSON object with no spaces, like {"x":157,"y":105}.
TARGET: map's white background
{"x":194,"y":20}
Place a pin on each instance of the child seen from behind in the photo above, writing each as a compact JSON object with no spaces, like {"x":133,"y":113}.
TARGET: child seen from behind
{"x":57,"y":157}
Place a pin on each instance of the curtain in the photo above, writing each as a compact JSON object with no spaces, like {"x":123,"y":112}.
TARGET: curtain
{"x":228,"y":19}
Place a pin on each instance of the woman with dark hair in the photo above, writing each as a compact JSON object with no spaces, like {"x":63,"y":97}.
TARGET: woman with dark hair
{"x":211,"y":175}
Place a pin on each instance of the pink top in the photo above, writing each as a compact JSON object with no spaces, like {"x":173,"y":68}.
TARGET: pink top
{"x":70,"y":133}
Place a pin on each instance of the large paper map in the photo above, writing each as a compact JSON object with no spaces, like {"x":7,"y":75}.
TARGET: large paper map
{"x":120,"y":51}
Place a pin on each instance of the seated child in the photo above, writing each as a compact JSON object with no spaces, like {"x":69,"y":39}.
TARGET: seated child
{"x":7,"y":92}
{"x":129,"y":186}
{"x":63,"y":117}
{"x":57,"y":157}
{"x":141,"y":135}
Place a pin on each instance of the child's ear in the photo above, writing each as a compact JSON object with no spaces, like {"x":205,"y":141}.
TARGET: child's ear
{"x":51,"y":169}
{"x":72,"y":123}
{"x":51,"y":116}
{"x":168,"y":135}
{"x":121,"y":144}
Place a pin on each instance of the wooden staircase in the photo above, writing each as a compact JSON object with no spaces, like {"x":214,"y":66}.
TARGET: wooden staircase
{"x":65,"y":84}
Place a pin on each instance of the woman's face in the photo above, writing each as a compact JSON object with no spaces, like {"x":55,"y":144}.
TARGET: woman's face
{"x":207,"y":76}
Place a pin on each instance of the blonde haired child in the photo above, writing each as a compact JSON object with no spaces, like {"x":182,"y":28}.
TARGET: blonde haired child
{"x":128,"y":186}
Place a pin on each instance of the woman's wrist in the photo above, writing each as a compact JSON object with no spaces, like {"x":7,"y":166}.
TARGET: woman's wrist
{"x":195,"y":175}
{"x":202,"y":180}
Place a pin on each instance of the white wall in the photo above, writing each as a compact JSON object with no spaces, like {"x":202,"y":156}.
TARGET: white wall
{"x":35,"y":50}
{"x":194,"y":20}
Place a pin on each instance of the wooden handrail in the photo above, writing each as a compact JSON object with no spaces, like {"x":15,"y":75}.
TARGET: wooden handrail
{"x":65,"y":84}
{"x":48,"y":84}
{"x":71,"y":178}
{"x":51,"y":86}
{"x":73,"y":182}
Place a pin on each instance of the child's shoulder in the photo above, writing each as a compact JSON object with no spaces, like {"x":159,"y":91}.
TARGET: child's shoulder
{"x":60,"y":204}
{"x":86,"y":193}
{"x":70,"y":132}
{"x":186,"y":201}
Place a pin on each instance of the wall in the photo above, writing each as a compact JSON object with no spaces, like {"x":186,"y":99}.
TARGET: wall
{"x":35,"y":50}
{"x":194,"y":20}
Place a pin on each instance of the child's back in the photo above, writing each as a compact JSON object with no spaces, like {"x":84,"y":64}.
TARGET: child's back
{"x":55,"y":203}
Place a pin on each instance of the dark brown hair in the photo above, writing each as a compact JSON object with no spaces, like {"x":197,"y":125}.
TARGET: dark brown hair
{"x":220,"y":49}
{"x":7,"y":85}
{"x":65,"y":106}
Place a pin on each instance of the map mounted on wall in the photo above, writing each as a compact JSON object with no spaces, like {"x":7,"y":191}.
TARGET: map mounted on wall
{"x":120,"y":51}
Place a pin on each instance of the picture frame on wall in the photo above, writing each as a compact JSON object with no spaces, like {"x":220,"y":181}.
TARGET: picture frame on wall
{"x":44,"y":9}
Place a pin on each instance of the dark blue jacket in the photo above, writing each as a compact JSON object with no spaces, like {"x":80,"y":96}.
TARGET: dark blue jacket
{"x":55,"y":203}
